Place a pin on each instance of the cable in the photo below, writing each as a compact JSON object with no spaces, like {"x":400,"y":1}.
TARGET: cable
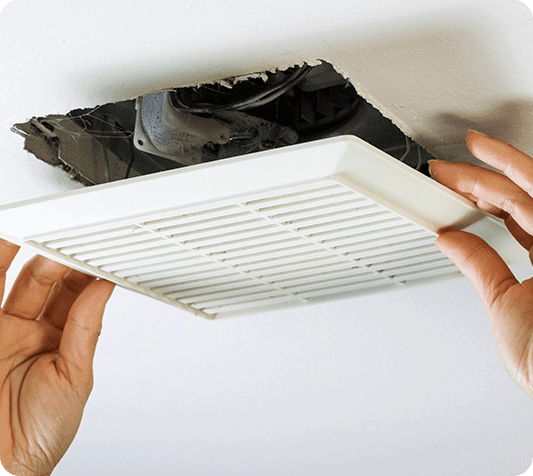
{"x":257,"y":100}
{"x":407,"y":149}
{"x":128,"y":170}
{"x":419,"y":158}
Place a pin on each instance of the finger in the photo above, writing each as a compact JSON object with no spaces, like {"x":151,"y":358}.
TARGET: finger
{"x":482,"y":266}
{"x":8,"y":252}
{"x":80,"y":335}
{"x":525,"y":239}
{"x":488,"y":189}
{"x":514,"y":163}
{"x":32,"y":287}
{"x":62,"y":297}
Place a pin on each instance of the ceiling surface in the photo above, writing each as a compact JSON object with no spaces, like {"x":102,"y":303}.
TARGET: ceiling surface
{"x":402,"y":383}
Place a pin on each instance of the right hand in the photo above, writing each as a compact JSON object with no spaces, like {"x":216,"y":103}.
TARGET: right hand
{"x":508,"y":302}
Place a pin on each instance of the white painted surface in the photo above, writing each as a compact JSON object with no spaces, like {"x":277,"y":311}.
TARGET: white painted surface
{"x":404,"y":383}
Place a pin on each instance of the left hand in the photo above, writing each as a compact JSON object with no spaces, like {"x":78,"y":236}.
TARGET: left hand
{"x":49,"y":327}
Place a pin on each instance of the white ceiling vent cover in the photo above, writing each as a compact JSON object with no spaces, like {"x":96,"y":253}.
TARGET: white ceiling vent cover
{"x":303,"y":224}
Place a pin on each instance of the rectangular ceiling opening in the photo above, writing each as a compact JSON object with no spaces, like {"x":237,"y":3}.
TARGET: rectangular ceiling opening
{"x":235,"y":116}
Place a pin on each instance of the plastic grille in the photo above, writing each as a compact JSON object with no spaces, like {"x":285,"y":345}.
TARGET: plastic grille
{"x":289,"y":246}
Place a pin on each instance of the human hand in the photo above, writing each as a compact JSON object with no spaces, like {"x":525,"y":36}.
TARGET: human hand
{"x":49,"y":327}
{"x":508,"y":302}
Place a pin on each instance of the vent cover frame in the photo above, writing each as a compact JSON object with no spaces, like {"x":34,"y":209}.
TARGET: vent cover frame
{"x":233,"y":237}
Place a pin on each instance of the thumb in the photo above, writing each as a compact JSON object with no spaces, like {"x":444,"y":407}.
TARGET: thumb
{"x":480,"y":263}
{"x":81,"y":331}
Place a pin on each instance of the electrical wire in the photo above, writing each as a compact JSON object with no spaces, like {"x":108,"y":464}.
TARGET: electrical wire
{"x":264,"y":97}
{"x":407,"y":149}
{"x":132,"y":152}
{"x":419,"y":158}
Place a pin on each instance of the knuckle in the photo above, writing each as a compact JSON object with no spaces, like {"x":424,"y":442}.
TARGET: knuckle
{"x":44,"y":271}
{"x":529,"y":190}
{"x":477,"y":248}
{"x":512,"y":202}
{"x":498,"y":290}
{"x":38,"y":277}
{"x":473,"y":186}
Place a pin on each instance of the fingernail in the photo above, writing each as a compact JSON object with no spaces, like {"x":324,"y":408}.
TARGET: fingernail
{"x":431,"y":168}
{"x":477,"y":132}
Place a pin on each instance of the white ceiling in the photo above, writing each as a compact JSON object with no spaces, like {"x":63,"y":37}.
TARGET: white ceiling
{"x":401,"y":383}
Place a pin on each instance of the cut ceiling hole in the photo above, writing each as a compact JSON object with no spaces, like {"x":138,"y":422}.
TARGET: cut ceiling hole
{"x":232,"y":117}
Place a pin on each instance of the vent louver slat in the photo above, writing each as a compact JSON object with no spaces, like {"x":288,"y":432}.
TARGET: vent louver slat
{"x":289,"y":247}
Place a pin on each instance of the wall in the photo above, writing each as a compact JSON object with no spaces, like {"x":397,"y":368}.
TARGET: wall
{"x":401,"y":383}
